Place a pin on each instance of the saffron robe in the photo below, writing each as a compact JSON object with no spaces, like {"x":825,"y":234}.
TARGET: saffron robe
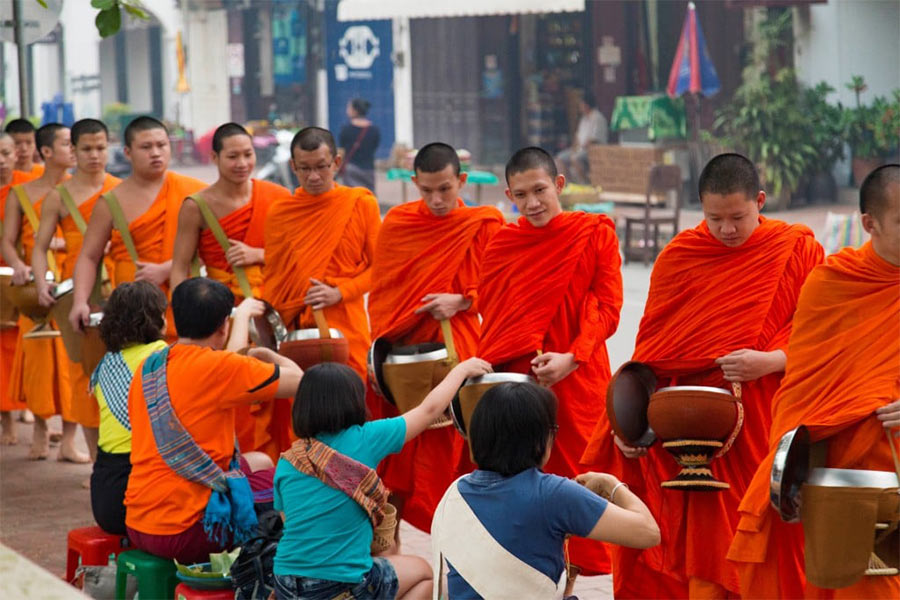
{"x":705,"y":301}
{"x":557,"y":288}
{"x":418,"y":254}
{"x":84,"y":407}
{"x":331,"y":238}
{"x":843,"y":364}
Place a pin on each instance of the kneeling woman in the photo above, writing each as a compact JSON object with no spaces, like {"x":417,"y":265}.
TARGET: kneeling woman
{"x":132,"y":328}
{"x":330,"y":495}
{"x":502,"y":528}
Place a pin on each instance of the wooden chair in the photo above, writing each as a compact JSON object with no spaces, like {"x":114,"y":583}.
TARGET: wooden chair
{"x":661,"y":180}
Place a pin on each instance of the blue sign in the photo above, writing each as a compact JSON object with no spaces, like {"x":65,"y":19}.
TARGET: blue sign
{"x":358,"y":62}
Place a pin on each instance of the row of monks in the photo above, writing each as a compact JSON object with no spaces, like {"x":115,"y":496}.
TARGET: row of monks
{"x":540,"y":296}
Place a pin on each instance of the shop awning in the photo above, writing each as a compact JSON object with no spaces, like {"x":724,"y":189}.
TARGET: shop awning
{"x":366,"y":10}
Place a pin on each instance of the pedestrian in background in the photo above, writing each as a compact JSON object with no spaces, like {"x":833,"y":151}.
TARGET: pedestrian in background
{"x":358,"y":141}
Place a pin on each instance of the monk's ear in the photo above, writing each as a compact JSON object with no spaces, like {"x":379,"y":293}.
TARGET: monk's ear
{"x":760,"y":200}
{"x":337,"y":162}
{"x":509,"y":194}
{"x":560,"y":183}
{"x":868,"y":223}
{"x":463,"y":177}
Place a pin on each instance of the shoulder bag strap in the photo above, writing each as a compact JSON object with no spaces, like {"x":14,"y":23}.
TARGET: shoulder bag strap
{"x":216,"y":228}
{"x":352,"y":151}
{"x":72,"y":208}
{"x":121,"y":224}
{"x":34,"y":221}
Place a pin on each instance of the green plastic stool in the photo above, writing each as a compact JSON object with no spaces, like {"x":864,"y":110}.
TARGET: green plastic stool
{"x":155,"y":576}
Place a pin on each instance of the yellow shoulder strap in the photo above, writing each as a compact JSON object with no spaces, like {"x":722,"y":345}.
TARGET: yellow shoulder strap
{"x":121,"y":224}
{"x":34,"y":221}
{"x":216,"y":228}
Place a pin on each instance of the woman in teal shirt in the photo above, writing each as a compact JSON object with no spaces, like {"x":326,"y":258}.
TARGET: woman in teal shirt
{"x":325,"y":549}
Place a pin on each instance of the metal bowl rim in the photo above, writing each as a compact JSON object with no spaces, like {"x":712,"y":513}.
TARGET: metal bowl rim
{"x":402,"y":359}
{"x":500,"y":378}
{"x":693,"y":388}
{"x":310,"y":334}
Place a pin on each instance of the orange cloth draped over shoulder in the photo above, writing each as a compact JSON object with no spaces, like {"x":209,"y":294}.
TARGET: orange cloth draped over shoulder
{"x":84,"y":408}
{"x":39,"y":374}
{"x":705,"y":301}
{"x":329,"y":237}
{"x":153,"y":233}
{"x":843,"y":363}
{"x":418,"y":254}
{"x":9,"y":333}
{"x":246,"y":224}
{"x":557,"y":288}
{"x":264,"y":427}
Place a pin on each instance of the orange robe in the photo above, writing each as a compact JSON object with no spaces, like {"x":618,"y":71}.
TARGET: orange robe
{"x":843,"y":363}
{"x":557,"y":288}
{"x":9,"y":335}
{"x":246,"y":224}
{"x":153,"y":233}
{"x":261,"y":427}
{"x":40,"y":370}
{"x":418,"y":254}
{"x":84,"y":408}
{"x":705,"y":301}
{"x":331,"y":238}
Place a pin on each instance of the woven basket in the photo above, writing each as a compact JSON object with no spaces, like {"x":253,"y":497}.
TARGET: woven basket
{"x":383,"y":535}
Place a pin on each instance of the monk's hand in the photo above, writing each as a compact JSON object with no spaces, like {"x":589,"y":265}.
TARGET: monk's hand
{"x":628,"y":450}
{"x":156,"y":274}
{"x":443,"y":306}
{"x":80,"y":316}
{"x":321,"y":295}
{"x":552,"y":367}
{"x":241,"y":255}
{"x":748,"y":365}
{"x":889,"y":415}
{"x":45,"y":293}
{"x":21,"y":274}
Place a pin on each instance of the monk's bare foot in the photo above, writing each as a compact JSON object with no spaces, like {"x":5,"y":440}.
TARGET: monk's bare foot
{"x":70,"y":454}
{"x":7,"y":430}
{"x":40,"y":449}
{"x":26,"y":416}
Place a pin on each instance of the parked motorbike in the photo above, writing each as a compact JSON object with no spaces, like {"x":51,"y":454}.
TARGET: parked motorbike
{"x":274,"y":154}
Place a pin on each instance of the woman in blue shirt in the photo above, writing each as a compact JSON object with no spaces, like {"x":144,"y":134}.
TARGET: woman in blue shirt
{"x":502,"y":528}
{"x":325,"y":549}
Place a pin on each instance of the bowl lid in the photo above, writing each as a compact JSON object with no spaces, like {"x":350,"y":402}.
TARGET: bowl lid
{"x":268,"y":330}
{"x":789,"y":472}
{"x":63,"y":288}
{"x":627,"y":398}
{"x":378,"y":352}
{"x":309,"y":334}
{"x":417,"y":353}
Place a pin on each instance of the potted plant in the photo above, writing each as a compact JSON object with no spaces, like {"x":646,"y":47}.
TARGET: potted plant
{"x":825,"y":130}
{"x":871,"y":131}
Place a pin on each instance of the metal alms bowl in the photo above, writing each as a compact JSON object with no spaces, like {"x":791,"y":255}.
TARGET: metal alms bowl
{"x":468,"y":396}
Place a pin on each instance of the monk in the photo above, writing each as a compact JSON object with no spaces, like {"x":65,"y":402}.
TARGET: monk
{"x":40,"y":371}
{"x":240,"y":205}
{"x":23,"y":134}
{"x":718,"y":313}
{"x":90,"y":139}
{"x":426,"y":267}
{"x":842,"y":381}
{"x":550,"y":294}
{"x":149,"y":200}
{"x":181,"y":406}
{"x":9,"y":332}
{"x":319,"y":246}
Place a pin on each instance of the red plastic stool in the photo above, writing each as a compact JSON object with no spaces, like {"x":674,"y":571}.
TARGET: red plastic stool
{"x":183,"y":592}
{"x":94,"y":546}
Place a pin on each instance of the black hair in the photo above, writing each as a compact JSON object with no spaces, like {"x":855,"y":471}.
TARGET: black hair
{"x":226,"y":131}
{"x":360,"y":106}
{"x":134,"y":314}
{"x":511,"y":427}
{"x":435,"y":157}
{"x":139,"y":124}
{"x":200,"y":306}
{"x":19,"y":126}
{"x":873,"y":193}
{"x":88,"y":127}
{"x":46,"y":135}
{"x":311,"y":139}
{"x":331,"y":398}
{"x":588,"y":98}
{"x":530,"y":158}
{"x":729,"y":173}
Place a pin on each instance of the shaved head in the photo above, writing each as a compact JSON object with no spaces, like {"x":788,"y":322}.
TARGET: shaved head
{"x":311,"y":139}
{"x":877,"y":188}
{"x":435,"y":157}
{"x":729,"y":173}
{"x":140,"y":124}
{"x":530,"y":158}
